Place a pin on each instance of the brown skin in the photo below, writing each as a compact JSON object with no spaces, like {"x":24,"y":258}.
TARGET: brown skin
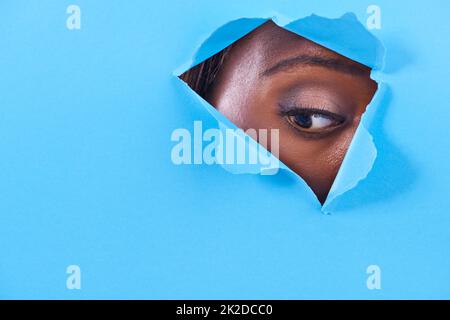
{"x":315,"y":98}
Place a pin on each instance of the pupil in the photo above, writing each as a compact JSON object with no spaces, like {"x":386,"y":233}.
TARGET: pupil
{"x":303,"y":120}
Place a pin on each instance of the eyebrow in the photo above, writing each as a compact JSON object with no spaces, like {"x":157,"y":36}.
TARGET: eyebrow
{"x":340,"y":65}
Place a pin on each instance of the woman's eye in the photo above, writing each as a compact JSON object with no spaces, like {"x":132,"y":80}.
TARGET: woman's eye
{"x":313,"y":122}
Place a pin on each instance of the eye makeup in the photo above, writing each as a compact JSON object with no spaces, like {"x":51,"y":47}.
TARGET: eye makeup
{"x":312,"y":111}
{"x":313,"y":96}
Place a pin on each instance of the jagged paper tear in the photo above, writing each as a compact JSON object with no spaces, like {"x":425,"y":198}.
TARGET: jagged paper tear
{"x":344,"y":35}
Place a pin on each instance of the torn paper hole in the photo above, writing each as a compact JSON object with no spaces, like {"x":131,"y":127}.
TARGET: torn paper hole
{"x":308,"y":82}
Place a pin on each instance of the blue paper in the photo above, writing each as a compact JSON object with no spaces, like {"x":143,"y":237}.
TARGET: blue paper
{"x":86,"y":177}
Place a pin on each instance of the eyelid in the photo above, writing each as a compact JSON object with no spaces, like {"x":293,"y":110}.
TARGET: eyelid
{"x":311,"y":96}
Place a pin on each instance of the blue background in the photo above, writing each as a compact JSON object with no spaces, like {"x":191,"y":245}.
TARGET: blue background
{"x":86,"y":176}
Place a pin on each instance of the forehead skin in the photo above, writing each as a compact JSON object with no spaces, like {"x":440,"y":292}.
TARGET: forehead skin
{"x":251,"y":100}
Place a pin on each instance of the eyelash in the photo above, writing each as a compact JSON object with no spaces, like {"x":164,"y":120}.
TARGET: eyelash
{"x":292,"y":110}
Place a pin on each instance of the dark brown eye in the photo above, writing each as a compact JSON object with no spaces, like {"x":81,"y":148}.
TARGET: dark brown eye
{"x":312,"y":122}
